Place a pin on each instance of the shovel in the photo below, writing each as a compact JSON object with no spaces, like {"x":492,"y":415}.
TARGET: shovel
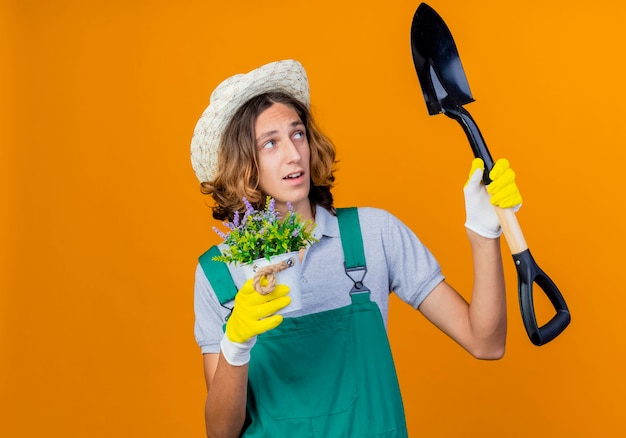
{"x":446,"y":90}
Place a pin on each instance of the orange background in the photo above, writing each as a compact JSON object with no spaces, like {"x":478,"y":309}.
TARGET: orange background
{"x":102,"y":219}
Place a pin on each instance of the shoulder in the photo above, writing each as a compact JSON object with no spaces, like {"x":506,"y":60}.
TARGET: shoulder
{"x":380,"y":227}
{"x":377,"y":226}
{"x":376,"y":220}
{"x":368,"y":215}
{"x":374,"y":214}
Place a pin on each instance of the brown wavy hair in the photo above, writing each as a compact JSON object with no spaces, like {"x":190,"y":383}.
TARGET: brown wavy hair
{"x":238,"y":171}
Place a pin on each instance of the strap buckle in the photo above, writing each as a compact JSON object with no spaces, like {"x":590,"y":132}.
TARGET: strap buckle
{"x":357,"y":278}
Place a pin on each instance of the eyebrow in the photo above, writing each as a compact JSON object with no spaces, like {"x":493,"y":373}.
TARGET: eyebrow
{"x":267,"y":134}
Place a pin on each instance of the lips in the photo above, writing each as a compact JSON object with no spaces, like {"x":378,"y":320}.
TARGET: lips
{"x":294,"y":175}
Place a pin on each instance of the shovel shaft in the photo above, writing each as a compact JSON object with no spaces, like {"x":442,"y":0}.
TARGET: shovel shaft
{"x":508,"y":221}
{"x":511,"y":230}
{"x":476,"y":140}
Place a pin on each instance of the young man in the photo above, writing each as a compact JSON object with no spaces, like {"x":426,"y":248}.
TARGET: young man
{"x":325,"y":370}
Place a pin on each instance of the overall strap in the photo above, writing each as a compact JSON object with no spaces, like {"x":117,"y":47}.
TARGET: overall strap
{"x":352,"y":244}
{"x":351,"y":240}
{"x":218,"y":275}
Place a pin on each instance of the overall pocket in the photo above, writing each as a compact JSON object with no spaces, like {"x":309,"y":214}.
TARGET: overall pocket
{"x":302,"y":369}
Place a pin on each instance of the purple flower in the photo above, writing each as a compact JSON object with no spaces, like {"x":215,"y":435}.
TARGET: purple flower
{"x":249,"y":210}
{"x":249,"y":207}
{"x":220,"y":233}
{"x":236,"y":219}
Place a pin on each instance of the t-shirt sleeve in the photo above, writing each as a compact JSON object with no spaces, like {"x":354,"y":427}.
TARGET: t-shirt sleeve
{"x":413,"y":270}
{"x":210,"y":315}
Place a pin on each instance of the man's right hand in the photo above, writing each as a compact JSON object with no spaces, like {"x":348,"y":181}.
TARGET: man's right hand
{"x":252,"y":315}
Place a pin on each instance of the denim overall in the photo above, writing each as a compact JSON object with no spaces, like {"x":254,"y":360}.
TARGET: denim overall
{"x":328,"y":374}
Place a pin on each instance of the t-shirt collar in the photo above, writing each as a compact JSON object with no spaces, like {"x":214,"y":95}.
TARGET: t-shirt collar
{"x":327,"y":224}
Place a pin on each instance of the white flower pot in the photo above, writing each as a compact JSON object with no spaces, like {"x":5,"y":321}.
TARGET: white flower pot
{"x":290,"y":276}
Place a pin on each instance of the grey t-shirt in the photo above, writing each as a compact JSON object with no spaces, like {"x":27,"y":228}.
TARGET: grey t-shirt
{"x":396,"y":262}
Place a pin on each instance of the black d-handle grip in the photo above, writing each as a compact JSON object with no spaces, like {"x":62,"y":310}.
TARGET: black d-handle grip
{"x":528,"y":272}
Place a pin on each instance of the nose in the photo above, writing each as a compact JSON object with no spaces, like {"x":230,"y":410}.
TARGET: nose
{"x":292,"y":153}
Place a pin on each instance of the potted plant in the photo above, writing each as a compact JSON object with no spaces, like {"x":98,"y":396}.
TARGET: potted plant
{"x":264,"y":244}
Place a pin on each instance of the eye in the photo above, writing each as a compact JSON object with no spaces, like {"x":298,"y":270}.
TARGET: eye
{"x":298,"y":135}
{"x":268,"y":144}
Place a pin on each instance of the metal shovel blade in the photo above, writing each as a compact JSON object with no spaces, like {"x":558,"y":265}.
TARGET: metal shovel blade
{"x":442,"y":78}
{"x":437,"y":62}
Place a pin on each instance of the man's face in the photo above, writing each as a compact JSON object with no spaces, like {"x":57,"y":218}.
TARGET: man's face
{"x":284,"y":158}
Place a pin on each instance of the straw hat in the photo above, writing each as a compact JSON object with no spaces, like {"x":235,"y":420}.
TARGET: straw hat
{"x":286,"y":76}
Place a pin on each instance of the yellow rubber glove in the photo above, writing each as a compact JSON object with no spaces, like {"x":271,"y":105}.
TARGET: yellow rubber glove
{"x":503,"y":189}
{"x":252,"y":315}
{"x":502,"y":192}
